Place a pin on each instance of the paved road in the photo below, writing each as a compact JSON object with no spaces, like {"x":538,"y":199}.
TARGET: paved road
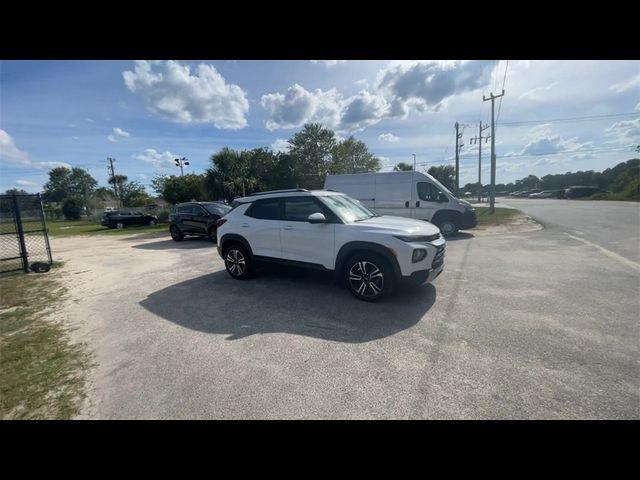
{"x":614,"y":226}
{"x":530,"y":325}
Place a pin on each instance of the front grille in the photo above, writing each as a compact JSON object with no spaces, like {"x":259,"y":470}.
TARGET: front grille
{"x":438,"y":259}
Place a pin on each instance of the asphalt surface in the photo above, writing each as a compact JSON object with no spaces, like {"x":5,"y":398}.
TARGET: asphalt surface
{"x":611,"y":225}
{"x":535,"y":325}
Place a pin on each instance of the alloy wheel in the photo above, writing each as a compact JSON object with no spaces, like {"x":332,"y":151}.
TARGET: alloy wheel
{"x":235,"y":262}
{"x":366,"y":279}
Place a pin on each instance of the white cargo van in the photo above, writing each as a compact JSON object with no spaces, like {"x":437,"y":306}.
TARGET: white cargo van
{"x":407,"y":194}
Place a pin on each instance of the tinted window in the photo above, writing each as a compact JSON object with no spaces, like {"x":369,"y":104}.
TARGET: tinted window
{"x":197,"y":210}
{"x":185,"y":209}
{"x":299,"y":209}
{"x":427,"y":192}
{"x":218,"y":209}
{"x":268,"y":209}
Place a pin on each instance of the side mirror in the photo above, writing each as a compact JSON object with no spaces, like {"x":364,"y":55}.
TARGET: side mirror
{"x":316,"y":218}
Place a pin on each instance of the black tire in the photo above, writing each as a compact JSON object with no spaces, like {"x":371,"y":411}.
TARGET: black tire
{"x":40,"y":267}
{"x":152,"y":222}
{"x":212,"y":234}
{"x":368,"y":277}
{"x":176,"y":234}
{"x":448,"y":227}
{"x":237,"y":261}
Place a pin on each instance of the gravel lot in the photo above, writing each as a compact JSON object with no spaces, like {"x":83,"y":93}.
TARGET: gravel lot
{"x":519,"y":325}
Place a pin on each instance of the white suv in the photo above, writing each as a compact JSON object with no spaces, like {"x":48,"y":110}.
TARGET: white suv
{"x":330,"y":231}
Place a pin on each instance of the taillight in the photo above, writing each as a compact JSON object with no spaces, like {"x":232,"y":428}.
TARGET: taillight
{"x":220,"y":222}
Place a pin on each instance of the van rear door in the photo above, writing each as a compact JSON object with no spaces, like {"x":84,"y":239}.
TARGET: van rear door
{"x":358,"y":186}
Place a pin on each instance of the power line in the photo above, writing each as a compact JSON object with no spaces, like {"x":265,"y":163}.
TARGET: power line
{"x":570,"y":119}
{"x":504,"y":80}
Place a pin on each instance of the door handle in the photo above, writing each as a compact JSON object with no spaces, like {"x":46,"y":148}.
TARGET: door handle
{"x":288,"y":227}
{"x":418,"y":203}
{"x":406,"y":204}
{"x":244,"y":225}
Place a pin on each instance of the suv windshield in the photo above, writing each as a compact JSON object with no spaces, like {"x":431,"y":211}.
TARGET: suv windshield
{"x":347,"y":208}
{"x":217,"y":208}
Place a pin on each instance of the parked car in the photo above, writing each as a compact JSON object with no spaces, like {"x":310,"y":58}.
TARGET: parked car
{"x":544,"y":194}
{"x":579,"y":191}
{"x":196,"y":218}
{"x":126,"y":219}
{"x":330,"y":231}
{"x":407,"y":194}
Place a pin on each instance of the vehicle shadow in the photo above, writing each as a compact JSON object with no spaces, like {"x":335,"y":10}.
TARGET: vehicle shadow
{"x":169,"y":244}
{"x":461,"y":236}
{"x":287,"y":300}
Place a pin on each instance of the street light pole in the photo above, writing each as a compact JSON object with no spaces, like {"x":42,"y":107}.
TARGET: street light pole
{"x":180,"y":162}
{"x":414,"y":161}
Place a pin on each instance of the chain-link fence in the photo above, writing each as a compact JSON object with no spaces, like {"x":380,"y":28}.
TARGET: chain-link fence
{"x":24,"y":243}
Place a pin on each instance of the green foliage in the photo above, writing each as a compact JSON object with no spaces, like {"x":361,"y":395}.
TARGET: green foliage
{"x":445,"y":174}
{"x":403,"y":167}
{"x":176,"y":189}
{"x":16,"y":191}
{"x":133,"y":194}
{"x":72,"y":208}
{"x":64,"y":183}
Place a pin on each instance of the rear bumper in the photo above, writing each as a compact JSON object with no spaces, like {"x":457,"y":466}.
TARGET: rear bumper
{"x":468,"y":220}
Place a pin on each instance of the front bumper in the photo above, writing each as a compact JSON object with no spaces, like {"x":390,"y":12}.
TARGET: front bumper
{"x":468,"y":220}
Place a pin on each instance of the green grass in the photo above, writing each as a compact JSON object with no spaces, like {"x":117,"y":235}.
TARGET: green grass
{"x":502,"y":216}
{"x":42,"y":374}
{"x":67,"y":228}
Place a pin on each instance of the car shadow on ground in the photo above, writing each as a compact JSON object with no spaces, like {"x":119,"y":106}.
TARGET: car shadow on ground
{"x":460,"y":236}
{"x":287,"y":300}
{"x":169,"y":244}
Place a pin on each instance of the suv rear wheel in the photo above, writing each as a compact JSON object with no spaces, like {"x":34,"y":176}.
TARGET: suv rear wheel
{"x":368,"y":277}
{"x":237,"y":262}
{"x":212,"y":234}
{"x":176,"y":234}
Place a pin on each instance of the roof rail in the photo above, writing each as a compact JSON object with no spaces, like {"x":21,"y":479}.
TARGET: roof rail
{"x":279,"y":191}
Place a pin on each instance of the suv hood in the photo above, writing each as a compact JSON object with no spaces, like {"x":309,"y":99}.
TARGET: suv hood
{"x":397,"y":225}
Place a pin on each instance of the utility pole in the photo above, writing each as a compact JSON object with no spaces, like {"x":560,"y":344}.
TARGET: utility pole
{"x":492,"y":189}
{"x":180,"y":162}
{"x":414,"y":161}
{"x":459,"y":146}
{"x":112,"y":174}
{"x":478,"y":140}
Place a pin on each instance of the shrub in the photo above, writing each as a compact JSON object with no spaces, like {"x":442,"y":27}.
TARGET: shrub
{"x":72,"y":208}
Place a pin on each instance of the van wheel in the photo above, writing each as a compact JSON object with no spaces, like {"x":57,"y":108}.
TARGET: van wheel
{"x":368,"y":277}
{"x":448,"y":228}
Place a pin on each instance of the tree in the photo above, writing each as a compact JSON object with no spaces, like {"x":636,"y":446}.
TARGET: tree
{"x":64,"y":183}
{"x":312,"y":149}
{"x":180,"y":189}
{"x":133,"y":194}
{"x":72,"y":208}
{"x":352,"y":156}
{"x":445,"y":174}
{"x":118,"y":181}
{"x":403,"y":167}
{"x":16,"y":191}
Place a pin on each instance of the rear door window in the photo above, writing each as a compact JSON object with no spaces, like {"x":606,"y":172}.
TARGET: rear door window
{"x":185,"y":209}
{"x":267,"y":209}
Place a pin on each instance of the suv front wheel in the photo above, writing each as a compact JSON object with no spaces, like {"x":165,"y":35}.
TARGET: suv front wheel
{"x":368,"y":277}
{"x":237,"y":262}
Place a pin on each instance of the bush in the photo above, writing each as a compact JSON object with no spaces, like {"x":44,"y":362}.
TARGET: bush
{"x":72,"y":208}
{"x":163,"y":215}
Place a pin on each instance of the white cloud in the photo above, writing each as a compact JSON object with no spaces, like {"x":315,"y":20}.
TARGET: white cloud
{"x":23,"y":183}
{"x":633,"y":82}
{"x":117,"y":134}
{"x":537,"y":93}
{"x":625,"y":131}
{"x":280,"y":145}
{"x":157,"y":159}
{"x":176,"y":93}
{"x":89,"y":120}
{"x":299,"y":106}
{"x":637,"y":109}
{"x":388,"y":137}
{"x":329,"y":63}
{"x":426,"y":85}
{"x":11,"y":155}
{"x":76,"y":138}
{"x":548,"y":144}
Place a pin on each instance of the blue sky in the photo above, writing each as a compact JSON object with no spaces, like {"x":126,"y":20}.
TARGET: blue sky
{"x":144,"y":114}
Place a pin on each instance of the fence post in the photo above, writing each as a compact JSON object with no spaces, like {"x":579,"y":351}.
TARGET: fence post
{"x":20,"y":231}
{"x":45,"y":229}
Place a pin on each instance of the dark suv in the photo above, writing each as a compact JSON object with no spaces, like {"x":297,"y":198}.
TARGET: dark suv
{"x":196,"y":218}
